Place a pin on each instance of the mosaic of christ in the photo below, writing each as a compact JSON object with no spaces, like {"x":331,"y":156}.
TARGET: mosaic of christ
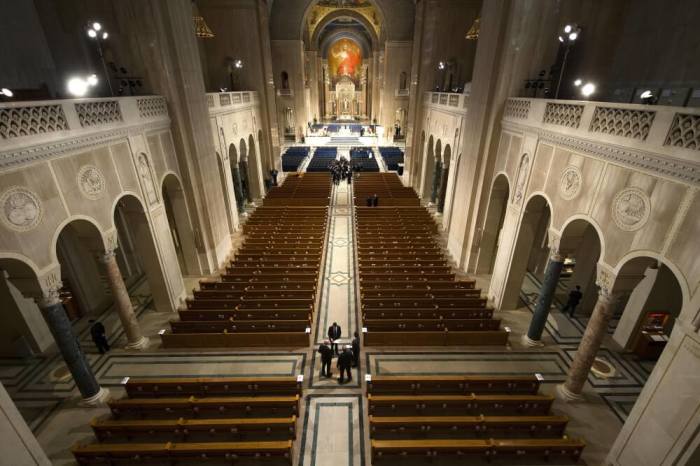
{"x":345,"y":59}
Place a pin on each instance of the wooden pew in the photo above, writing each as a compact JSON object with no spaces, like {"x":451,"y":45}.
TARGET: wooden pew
{"x":416,"y":324}
{"x":213,"y":453}
{"x":434,"y":313}
{"x":238,"y":315}
{"x":239,"y":326}
{"x":206,"y":407}
{"x":390,"y":428}
{"x":444,"y":338}
{"x":205,"y":386}
{"x":195,"y":430}
{"x":453,"y":384}
{"x":235,"y":340}
{"x":460,"y":405}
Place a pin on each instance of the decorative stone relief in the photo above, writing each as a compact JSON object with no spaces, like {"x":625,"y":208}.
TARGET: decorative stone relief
{"x":51,"y":285}
{"x":630,"y":209}
{"x":210,"y":100}
{"x":25,"y":121}
{"x":21,"y":209}
{"x":235,"y":129}
{"x":605,"y":279}
{"x":111,"y":241}
{"x":91,"y":182}
{"x":224,"y":99}
{"x":237,"y":98}
{"x":152,"y":107}
{"x":246,"y":97}
{"x":517,"y":108}
{"x":98,"y":113}
{"x":522,"y":179}
{"x":553,"y":242}
{"x":684,"y":132}
{"x":563,"y":114}
{"x":144,"y":168}
{"x":570,"y":183}
{"x":628,"y":123}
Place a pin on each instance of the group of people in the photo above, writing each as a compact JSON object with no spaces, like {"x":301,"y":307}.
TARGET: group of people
{"x":348,"y":358}
{"x":340,"y":169}
{"x":373,"y":201}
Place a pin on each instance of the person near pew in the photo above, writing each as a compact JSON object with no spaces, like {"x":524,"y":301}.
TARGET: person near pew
{"x":326,"y":358}
{"x":369,"y":201}
{"x":574,"y":298}
{"x":345,"y":364}
{"x":356,"y":350}
{"x":334,"y":332}
{"x":97,"y":331}
{"x":273,"y":174}
{"x":375,"y":200}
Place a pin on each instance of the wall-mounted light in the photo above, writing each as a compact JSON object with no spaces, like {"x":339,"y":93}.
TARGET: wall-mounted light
{"x":6,"y":92}
{"x":78,"y":86}
{"x":238,"y":63}
{"x":441,"y":65}
{"x":587,"y":89}
{"x":578,"y":82}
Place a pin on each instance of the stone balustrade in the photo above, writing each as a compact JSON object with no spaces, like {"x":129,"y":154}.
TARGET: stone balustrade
{"x":450,"y":101}
{"x":38,"y":129}
{"x":221,"y":102}
{"x":659,"y":138}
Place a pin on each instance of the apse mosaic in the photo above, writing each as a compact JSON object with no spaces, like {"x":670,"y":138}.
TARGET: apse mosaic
{"x":325,"y":7}
{"x":345,"y":59}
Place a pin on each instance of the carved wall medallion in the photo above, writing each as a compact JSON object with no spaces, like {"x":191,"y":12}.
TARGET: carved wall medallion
{"x":21,"y":209}
{"x":630,"y":209}
{"x":91,"y":182}
{"x":570,"y":183}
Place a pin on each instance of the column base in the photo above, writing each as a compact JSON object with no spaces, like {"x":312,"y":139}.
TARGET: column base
{"x":97,"y":399}
{"x":529,"y":342}
{"x":141,"y":344}
{"x":567,"y":395}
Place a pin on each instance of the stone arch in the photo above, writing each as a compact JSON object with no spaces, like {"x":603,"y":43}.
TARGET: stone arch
{"x":24,"y":331}
{"x":243,"y":170}
{"x":444,"y":178}
{"x":403,"y":81}
{"x":437,"y":173}
{"x":132,"y":209}
{"x":417,"y":160}
{"x":346,"y":13}
{"x":531,"y":240}
{"x":428,"y":169}
{"x":225,"y":189}
{"x":493,"y":223}
{"x":79,"y":246}
{"x":284,"y":80}
{"x":236,"y":181}
{"x":645,"y":284}
{"x":178,"y":216}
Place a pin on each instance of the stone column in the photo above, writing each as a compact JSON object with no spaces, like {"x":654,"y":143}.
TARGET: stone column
{"x":18,"y":445}
{"x":437,"y":172}
{"x":122,"y":302}
{"x":596,"y":329}
{"x":443,"y":188}
{"x":67,"y":342}
{"x":544,"y":302}
{"x":238,"y":189}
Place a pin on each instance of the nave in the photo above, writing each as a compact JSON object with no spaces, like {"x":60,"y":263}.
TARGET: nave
{"x":332,"y":423}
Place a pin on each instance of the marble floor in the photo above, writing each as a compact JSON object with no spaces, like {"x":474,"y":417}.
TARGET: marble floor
{"x":333,"y":419}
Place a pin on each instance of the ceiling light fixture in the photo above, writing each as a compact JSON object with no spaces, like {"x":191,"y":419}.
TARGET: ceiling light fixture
{"x":6,"y":92}
{"x":588,"y":89}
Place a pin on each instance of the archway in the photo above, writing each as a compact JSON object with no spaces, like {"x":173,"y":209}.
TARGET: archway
{"x":225,"y":190}
{"x":444,"y":178}
{"x":416,"y":161}
{"x":428,"y":170}
{"x":236,"y":180}
{"x":24,"y":331}
{"x":530,"y":254}
{"x":243,"y":171}
{"x":131,"y":208}
{"x":78,"y":248}
{"x":180,"y":226}
{"x":650,"y":299}
{"x":490,"y":234}
{"x":437,"y":173}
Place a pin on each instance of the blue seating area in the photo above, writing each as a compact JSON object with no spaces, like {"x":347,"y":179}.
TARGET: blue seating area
{"x":322,"y":157}
{"x":364,"y":157}
{"x":335,"y":127}
{"x":392,"y":156}
{"x":293,"y":157}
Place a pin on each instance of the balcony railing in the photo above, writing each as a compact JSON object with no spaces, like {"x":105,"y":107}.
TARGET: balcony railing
{"x":448,"y":100}
{"x":227,"y":101}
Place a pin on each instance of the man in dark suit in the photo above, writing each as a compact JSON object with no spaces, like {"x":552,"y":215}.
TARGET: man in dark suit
{"x":97,"y":331}
{"x":326,"y":358}
{"x":369,"y":201}
{"x":334,"y":332}
{"x":574,"y":298}
{"x":375,"y":200}
{"x":355,"y":350}
{"x":344,"y":364}
{"x":273,"y":174}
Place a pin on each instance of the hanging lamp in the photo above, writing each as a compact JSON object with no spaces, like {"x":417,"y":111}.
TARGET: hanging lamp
{"x":473,"y":32}
{"x":201,"y":29}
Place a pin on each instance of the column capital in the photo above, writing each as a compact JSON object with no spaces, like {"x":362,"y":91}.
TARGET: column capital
{"x":605,"y":280}
{"x":111,"y":243}
{"x":51,"y":285}
{"x":554,"y":254}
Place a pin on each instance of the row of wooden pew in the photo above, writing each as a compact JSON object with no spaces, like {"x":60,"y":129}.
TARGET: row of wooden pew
{"x":387,"y":187}
{"x":267,"y":293}
{"x":456,"y":416}
{"x":197,"y":421}
{"x":409,"y":294}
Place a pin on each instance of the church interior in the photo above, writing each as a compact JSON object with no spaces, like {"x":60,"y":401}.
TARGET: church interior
{"x":349,"y":232}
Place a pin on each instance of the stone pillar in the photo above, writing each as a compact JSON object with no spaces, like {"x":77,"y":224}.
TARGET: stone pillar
{"x":592,"y":338}
{"x":238,"y":189}
{"x":18,"y":445}
{"x":122,"y":302}
{"x":544,"y":302}
{"x":437,"y":172}
{"x":68,"y":345}
{"x":245,"y":180}
{"x":443,"y":188}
